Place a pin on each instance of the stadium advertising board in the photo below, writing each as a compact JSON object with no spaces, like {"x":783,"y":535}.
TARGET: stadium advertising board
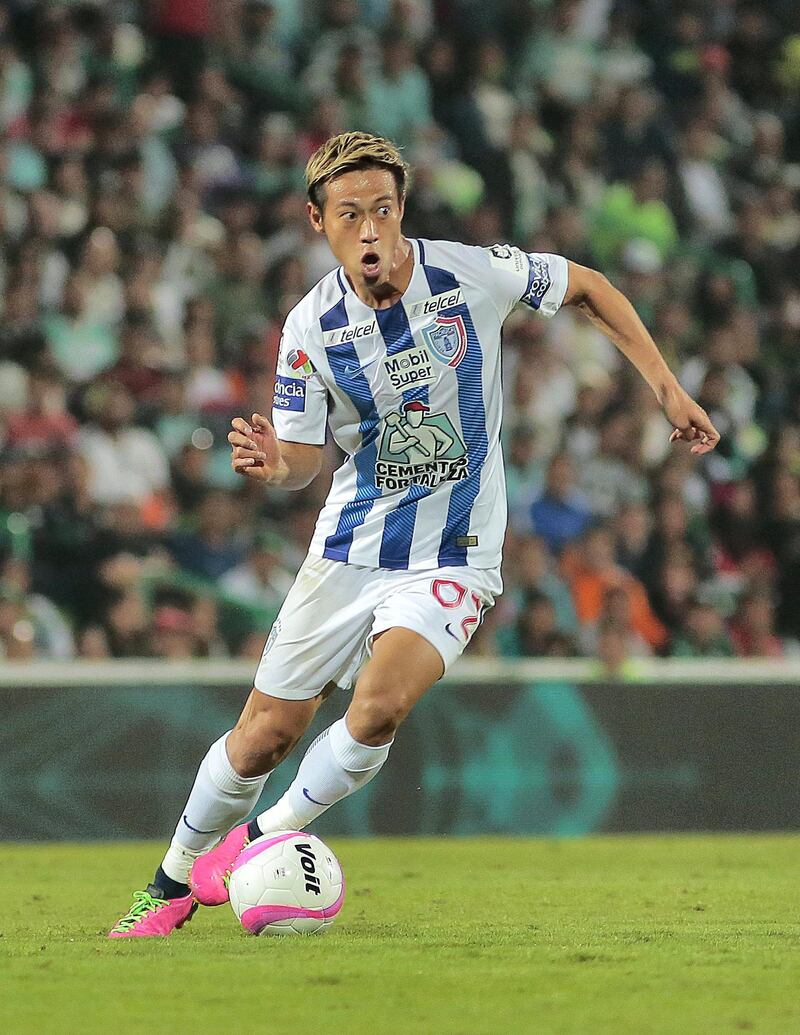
{"x":548,"y":759}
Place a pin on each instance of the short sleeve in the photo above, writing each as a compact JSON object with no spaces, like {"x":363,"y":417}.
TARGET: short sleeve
{"x":539,"y":279}
{"x":300,"y":399}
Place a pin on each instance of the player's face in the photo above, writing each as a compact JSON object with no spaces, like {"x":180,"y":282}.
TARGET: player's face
{"x":361,"y":218}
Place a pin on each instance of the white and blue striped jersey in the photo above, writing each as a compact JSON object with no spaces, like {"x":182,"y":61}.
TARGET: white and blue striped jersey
{"x":412,"y":395}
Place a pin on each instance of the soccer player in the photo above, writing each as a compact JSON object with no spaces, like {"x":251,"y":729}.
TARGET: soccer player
{"x":397,"y":352}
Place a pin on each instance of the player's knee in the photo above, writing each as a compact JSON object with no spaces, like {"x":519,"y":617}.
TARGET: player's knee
{"x":374,"y":718}
{"x":258,"y":745}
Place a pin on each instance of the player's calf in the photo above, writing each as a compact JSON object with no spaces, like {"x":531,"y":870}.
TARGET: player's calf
{"x":266,"y":732}
{"x":335,"y":766}
{"x":258,"y":744}
{"x":352,"y":751}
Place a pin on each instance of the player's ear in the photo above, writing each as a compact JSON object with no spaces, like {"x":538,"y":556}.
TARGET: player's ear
{"x":315,"y":217}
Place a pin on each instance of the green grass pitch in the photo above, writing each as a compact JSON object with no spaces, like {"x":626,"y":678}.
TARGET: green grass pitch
{"x":604,"y":935}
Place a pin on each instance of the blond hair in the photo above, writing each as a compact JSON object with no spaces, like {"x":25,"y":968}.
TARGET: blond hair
{"x":353,"y":151}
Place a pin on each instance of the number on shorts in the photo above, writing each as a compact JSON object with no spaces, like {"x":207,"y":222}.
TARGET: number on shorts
{"x":451,"y":594}
{"x":448,"y":592}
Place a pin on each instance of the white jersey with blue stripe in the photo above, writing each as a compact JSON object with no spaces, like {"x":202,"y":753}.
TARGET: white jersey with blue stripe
{"x":412,"y":395}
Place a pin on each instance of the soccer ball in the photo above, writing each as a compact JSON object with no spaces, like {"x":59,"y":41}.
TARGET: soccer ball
{"x":286,"y":883}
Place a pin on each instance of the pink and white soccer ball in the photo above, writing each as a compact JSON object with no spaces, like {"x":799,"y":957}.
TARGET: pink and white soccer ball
{"x":286,"y":883}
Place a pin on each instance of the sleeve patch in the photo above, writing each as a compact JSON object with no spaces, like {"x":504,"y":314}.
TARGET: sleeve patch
{"x":539,"y":280}
{"x":299,"y":361}
{"x":290,"y":394}
{"x":506,"y":257}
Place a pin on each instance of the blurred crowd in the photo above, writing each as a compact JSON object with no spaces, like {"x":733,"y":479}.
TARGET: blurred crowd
{"x":154,"y":237}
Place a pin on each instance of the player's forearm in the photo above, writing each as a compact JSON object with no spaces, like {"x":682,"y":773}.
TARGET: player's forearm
{"x":298,"y":467}
{"x":611,"y":312}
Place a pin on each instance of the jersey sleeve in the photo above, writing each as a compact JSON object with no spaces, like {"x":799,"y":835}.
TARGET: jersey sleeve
{"x":300,"y":398}
{"x":539,"y":279}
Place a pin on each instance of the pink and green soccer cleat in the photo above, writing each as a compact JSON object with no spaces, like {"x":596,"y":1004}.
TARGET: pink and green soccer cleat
{"x":153,"y":916}
{"x":210,"y":872}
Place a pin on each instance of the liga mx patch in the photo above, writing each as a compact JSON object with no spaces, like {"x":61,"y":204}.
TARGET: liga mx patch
{"x":299,"y":361}
{"x":290,"y":394}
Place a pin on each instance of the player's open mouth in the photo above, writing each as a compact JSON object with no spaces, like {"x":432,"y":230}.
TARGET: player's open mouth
{"x":370,"y":264}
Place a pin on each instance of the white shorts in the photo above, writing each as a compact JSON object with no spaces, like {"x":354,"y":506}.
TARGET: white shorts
{"x":334,"y":610}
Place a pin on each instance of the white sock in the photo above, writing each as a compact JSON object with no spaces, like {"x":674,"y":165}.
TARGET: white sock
{"x":333,"y":767}
{"x":219,"y":799}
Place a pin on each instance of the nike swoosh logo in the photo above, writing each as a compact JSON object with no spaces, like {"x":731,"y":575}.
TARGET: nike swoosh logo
{"x":357,"y":370}
{"x":325,"y":804}
{"x":189,"y":825}
{"x":447,"y":629}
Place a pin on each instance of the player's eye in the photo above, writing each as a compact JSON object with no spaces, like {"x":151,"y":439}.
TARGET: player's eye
{"x":384,"y":210}
{"x":349,"y":216}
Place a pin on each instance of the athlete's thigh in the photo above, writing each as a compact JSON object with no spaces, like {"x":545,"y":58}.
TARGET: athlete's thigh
{"x":403,"y":665}
{"x":444,"y":606}
{"x":319,"y":636}
{"x":422,"y":623}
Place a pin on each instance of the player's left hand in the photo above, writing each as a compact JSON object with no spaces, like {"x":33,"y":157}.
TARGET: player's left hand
{"x":690,"y":421}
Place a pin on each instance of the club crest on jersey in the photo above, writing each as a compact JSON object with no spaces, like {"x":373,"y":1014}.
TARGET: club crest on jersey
{"x":300,"y":362}
{"x":447,"y":338}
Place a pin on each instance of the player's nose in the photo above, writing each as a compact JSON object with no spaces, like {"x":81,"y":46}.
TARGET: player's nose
{"x":368,"y":232}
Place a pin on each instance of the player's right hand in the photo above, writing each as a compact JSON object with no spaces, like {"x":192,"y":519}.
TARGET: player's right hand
{"x":255,"y":451}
